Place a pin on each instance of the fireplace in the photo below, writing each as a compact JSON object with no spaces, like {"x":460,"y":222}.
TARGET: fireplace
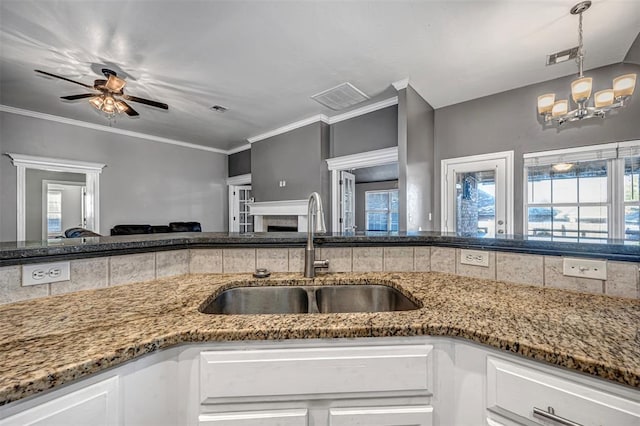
{"x":279,"y":215}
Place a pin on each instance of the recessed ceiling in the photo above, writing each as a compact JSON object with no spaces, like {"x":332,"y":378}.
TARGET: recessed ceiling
{"x":264,"y":59}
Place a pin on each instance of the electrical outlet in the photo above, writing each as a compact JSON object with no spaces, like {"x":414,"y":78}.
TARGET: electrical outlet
{"x":43,"y":273}
{"x":474,"y":257}
{"x":585,"y":268}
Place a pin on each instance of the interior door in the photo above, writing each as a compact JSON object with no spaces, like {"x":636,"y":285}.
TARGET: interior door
{"x":475,"y":198}
{"x":240,"y":219}
{"x":347,"y":201}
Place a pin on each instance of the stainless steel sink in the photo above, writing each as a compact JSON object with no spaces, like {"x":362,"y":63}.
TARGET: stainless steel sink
{"x":308,"y":299}
{"x":259,"y":300}
{"x":361,"y":298}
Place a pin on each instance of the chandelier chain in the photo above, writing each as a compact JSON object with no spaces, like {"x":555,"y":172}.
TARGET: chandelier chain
{"x":580,"y":57}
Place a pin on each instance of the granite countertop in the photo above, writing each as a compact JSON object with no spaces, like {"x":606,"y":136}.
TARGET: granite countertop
{"x":47,"y":342}
{"x":21,"y":252}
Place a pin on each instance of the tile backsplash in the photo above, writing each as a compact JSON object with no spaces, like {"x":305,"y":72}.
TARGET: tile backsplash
{"x":544,"y":271}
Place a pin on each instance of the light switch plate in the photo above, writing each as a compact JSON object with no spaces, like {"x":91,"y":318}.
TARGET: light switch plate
{"x":474,"y":257}
{"x":43,"y":273}
{"x":585,"y":268}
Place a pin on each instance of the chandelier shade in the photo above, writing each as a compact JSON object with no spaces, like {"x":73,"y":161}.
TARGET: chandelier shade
{"x":558,"y":113}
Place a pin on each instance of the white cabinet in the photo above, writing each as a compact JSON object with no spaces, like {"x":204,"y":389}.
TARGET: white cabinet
{"x":381,"y":416}
{"x":525,"y":392}
{"x":256,"y":418}
{"x":95,"y":405}
{"x":327,"y":378}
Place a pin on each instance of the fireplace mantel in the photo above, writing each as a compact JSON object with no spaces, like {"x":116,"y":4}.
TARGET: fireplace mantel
{"x":278,"y":208}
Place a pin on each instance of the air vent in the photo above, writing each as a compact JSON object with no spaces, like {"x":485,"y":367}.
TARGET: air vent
{"x":219,"y":108}
{"x":340,"y":97}
{"x":563,"y":56}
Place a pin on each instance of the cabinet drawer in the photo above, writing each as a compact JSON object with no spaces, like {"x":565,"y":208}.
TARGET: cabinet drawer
{"x":256,"y":418}
{"x":307,"y":371}
{"x":515,"y":389}
{"x":381,"y":416}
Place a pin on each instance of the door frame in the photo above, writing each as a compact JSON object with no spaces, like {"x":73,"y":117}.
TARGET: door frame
{"x":91,"y":170}
{"x":378,"y":157}
{"x":232,"y":183}
{"x":445,"y":200}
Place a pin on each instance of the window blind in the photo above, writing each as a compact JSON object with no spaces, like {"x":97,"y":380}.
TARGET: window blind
{"x":629,"y":149}
{"x":572,"y":155}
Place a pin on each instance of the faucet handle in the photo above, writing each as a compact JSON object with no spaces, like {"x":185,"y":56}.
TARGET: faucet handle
{"x":321,"y":263}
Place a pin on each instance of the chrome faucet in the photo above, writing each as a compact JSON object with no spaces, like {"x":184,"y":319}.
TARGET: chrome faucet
{"x":315,"y":219}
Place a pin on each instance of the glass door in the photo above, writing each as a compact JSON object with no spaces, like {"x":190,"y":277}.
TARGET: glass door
{"x":347,"y":202}
{"x":240,"y":219}
{"x":475,"y":197}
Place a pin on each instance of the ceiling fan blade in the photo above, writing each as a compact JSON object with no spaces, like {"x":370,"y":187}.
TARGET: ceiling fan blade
{"x":83,"y":96}
{"x":145,"y":101}
{"x":63,"y":78}
{"x":129,"y":111}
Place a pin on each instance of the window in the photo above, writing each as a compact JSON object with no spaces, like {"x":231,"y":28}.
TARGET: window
{"x":588,"y":194}
{"x":381,"y":210}
{"x":54,"y":214}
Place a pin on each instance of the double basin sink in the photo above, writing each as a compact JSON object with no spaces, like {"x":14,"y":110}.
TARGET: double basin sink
{"x":308,"y":299}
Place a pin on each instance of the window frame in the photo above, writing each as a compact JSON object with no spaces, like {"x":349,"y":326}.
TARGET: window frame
{"x":388,"y":212}
{"x":615,"y":184}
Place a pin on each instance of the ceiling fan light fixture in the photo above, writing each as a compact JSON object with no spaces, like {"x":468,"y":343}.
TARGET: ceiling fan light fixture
{"x":121,"y":107}
{"x":581,"y":88}
{"x":97,"y":102}
{"x":115,"y":84}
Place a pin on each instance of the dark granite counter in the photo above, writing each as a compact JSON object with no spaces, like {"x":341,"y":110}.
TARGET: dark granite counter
{"x":13,"y":253}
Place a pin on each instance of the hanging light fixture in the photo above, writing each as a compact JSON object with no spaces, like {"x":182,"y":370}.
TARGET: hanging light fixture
{"x":557,"y":111}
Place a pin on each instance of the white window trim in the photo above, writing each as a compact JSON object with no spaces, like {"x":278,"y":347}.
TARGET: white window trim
{"x":91,"y":170}
{"x":508,"y":156}
{"x":615,"y":176}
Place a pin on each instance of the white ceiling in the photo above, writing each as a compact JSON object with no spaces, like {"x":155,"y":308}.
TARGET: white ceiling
{"x":264,"y":59}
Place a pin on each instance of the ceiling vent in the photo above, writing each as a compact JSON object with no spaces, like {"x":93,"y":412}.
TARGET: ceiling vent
{"x":562,"y":56}
{"x":340,"y":97}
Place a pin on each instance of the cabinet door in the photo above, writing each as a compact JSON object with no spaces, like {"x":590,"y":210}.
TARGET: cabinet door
{"x":525,"y":394}
{"x":95,"y":405}
{"x":256,"y":418}
{"x":382,"y":416}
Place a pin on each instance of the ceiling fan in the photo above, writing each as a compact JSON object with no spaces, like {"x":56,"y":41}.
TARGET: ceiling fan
{"x":111,"y":98}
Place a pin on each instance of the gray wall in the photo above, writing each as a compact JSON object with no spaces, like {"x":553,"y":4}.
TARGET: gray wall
{"x":239,"y":163}
{"x":361,"y":189}
{"x":416,"y":157}
{"x":144,"y":181}
{"x":33,"y":200}
{"x":296,"y":157}
{"x":509,"y":121}
{"x":375,"y":130}
{"x":633,"y":55}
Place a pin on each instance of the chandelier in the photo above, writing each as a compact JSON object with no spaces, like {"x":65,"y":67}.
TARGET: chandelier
{"x":557,"y":112}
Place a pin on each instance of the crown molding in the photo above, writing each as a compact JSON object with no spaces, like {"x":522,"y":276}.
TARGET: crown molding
{"x":323,"y":118}
{"x":289,"y":127}
{"x":401,"y":84}
{"x":102,"y":128}
{"x":238,"y":149}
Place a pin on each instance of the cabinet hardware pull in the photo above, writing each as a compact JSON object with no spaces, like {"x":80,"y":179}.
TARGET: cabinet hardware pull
{"x":551,"y":415}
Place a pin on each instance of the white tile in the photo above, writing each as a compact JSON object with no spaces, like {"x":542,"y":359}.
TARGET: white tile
{"x":85,"y":274}
{"x":398,"y":259}
{"x":205,"y":261}
{"x":171,"y":263}
{"x":367,"y":259}
{"x":238,"y":260}
{"x":520,"y":268}
{"x":443,"y":259}
{"x":274,"y":259}
{"x":11,"y":289}
{"x":131,"y":268}
{"x":553,"y":277}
